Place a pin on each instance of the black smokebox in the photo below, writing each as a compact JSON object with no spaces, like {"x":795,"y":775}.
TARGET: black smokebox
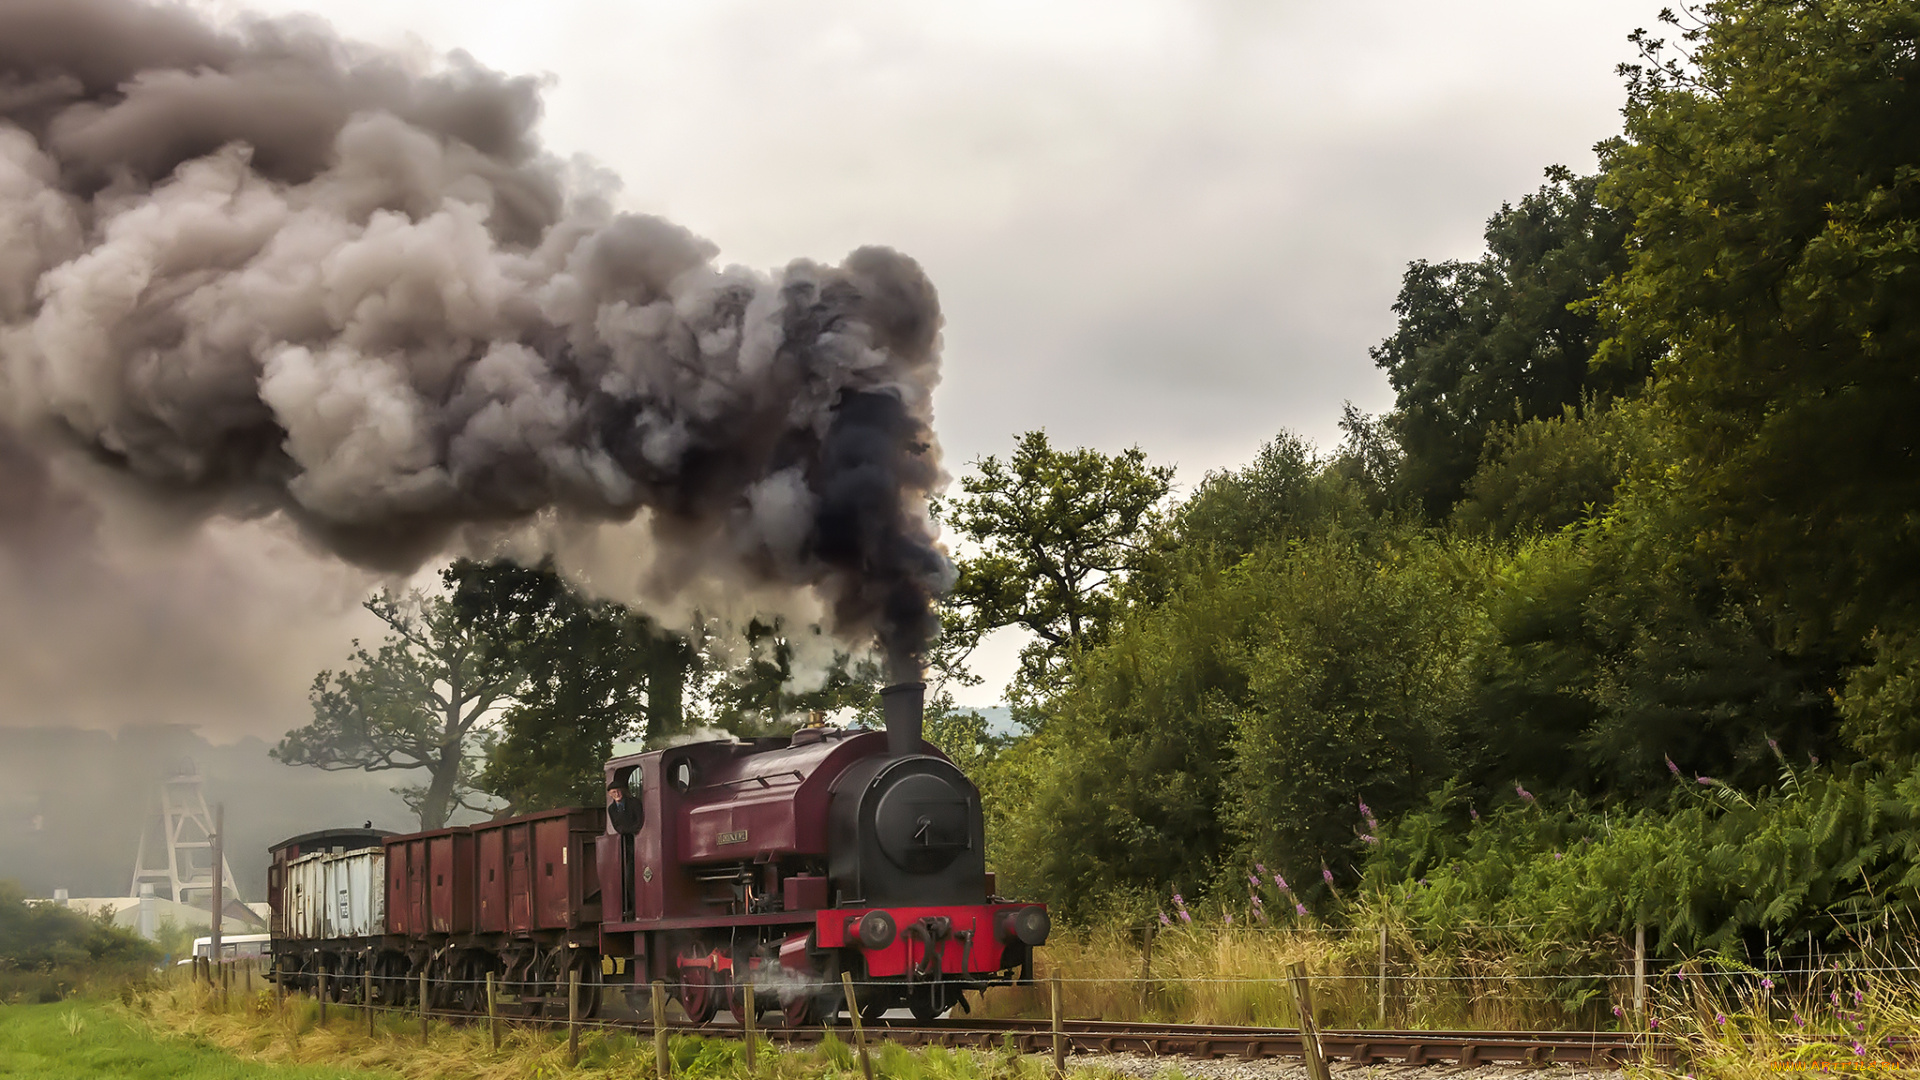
{"x":904,"y":706}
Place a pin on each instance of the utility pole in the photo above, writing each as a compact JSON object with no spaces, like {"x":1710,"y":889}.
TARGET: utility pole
{"x":218,"y":839}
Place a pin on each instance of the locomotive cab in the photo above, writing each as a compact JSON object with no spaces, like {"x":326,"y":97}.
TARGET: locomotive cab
{"x":785,"y":861}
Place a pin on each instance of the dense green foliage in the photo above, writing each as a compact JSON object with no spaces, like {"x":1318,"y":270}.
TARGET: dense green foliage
{"x":588,"y":674}
{"x":48,"y":952}
{"x":1613,"y":618}
{"x":1055,"y":530}
{"x":38,"y":936}
{"x":420,"y":702}
{"x":1500,"y":339}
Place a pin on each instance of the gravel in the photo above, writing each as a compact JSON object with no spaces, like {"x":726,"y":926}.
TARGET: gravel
{"x":1148,"y":1068}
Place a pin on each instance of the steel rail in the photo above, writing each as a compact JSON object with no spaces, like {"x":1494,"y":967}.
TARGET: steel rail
{"x":1467,"y":1048}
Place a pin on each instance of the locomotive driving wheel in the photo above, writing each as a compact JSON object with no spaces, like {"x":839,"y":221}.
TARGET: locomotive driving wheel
{"x":587,"y":963}
{"x":698,"y":994}
{"x":802,"y":1010}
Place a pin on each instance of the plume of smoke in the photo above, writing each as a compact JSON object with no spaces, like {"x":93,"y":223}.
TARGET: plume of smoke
{"x":258,"y":270}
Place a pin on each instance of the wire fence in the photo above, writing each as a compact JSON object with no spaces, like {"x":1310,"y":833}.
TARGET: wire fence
{"x":547,"y":1000}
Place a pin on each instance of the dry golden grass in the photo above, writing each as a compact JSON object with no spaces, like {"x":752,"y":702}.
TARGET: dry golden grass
{"x":258,"y":1028}
{"x":1229,"y":975}
{"x":1735,"y":1026}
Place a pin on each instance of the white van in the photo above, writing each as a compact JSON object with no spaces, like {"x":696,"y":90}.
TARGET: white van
{"x":232,"y":947}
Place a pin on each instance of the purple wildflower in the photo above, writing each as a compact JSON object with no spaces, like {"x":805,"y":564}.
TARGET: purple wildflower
{"x":1253,"y":881}
{"x":1672,"y":768}
{"x":1766,"y":984}
{"x":1859,"y":1027}
{"x":1177,"y":902}
{"x":1557,"y":856}
{"x":1369,"y":839}
{"x":1720,"y":1018}
{"x":1797,"y":1021}
{"x":1299,"y":909}
{"x":1164,"y":921}
{"x":1859,"y":1051}
{"x":1262,"y":867}
{"x":1653,"y":1022}
{"x":1367,"y":812}
{"x":1834,"y":997}
{"x":1326,"y":874}
{"x":1616,"y":1010}
{"x":1256,"y":901}
{"x":1229,"y":918}
{"x":1815,"y":758}
{"x":1523,"y":793}
{"x":1705,"y":780}
{"x":1185,"y":916}
{"x":1473,"y":813}
{"x":1773,"y":744}
{"x":1282,"y":882}
{"x":1858,"y":996}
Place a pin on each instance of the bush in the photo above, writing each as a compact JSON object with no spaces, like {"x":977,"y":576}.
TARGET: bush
{"x":49,"y":952}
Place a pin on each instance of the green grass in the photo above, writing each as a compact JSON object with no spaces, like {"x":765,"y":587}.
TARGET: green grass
{"x":78,"y":1040}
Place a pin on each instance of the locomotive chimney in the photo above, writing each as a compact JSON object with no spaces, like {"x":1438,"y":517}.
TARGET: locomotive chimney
{"x":903,"y":705}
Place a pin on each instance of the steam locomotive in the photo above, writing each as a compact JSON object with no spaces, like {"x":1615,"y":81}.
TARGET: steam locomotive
{"x":777,"y":862}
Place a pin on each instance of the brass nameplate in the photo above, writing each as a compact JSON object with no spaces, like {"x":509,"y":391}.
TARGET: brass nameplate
{"x":739,"y":837}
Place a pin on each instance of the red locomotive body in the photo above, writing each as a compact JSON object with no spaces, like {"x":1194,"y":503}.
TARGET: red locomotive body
{"x":829,"y":851}
{"x":782,"y":862}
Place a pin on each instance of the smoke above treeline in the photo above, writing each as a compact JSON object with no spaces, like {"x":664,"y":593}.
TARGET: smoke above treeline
{"x":257,"y":271}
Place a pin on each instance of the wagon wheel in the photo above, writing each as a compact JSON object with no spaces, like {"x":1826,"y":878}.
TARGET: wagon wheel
{"x":336,"y":988}
{"x":390,"y":979}
{"x":469,"y":990}
{"x":552,"y":982}
{"x":522,"y":981}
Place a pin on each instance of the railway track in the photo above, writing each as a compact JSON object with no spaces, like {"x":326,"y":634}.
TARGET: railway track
{"x":1206,"y":1041}
{"x":1466,"y":1048}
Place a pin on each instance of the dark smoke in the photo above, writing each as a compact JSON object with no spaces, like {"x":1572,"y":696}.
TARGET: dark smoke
{"x":260,"y":270}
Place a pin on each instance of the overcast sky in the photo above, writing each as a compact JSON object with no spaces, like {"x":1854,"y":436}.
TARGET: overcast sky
{"x":1176,"y":224}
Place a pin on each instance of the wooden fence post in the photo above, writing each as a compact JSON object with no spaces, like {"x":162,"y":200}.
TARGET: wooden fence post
{"x":1309,"y":1029}
{"x":573,"y":1017}
{"x":493,"y":1016}
{"x":366,"y":995}
{"x":1059,"y":1031}
{"x":662,"y":1061}
{"x":1383,"y":976}
{"x":1146,"y":971}
{"x":859,"y":1030}
{"x":424,"y":1036}
{"x":1640,"y":970}
{"x":746,"y":1018}
{"x":323,"y":997}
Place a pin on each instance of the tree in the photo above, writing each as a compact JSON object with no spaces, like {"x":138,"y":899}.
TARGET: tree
{"x":1056,"y":530}
{"x":425,"y":700}
{"x":1500,"y":339}
{"x":761,"y":690}
{"x":1771,"y":176}
{"x":593,"y":673}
